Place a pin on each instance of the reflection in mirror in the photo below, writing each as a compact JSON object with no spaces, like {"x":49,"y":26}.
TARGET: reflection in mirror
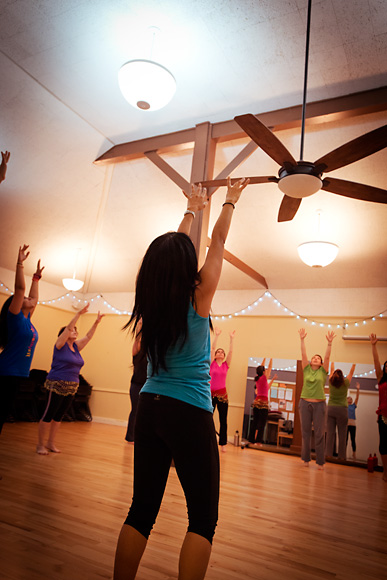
{"x":281,"y":401}
{"x":284,"y":405}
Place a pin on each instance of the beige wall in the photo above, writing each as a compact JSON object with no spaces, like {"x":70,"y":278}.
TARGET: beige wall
{"x":108,"y":364}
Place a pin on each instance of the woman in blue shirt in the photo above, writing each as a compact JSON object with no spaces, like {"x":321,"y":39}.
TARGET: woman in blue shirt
{"x":18,"y":336}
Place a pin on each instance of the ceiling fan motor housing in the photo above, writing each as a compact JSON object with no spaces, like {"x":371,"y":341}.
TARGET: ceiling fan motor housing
{"x":299,"y":180}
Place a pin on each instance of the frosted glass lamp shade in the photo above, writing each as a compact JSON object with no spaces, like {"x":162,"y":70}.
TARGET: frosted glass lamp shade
{"x":72,"y":284}
{"x":318,"y":254}
{"x":299,"y":185}
{"x":146,"y":85}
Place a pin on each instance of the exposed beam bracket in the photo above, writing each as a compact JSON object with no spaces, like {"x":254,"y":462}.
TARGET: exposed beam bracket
{"x":242,"y":266}
{"x":168,"y":170}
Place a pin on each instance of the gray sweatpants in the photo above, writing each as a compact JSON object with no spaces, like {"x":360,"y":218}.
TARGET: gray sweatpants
{"x":337,"y":417}
{"x":313,"y":414}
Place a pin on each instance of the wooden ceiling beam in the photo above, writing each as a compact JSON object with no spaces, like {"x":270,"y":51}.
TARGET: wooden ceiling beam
{"x":202,"y":167}
{"x":318,"y":112}
{"x":234,"y":163}
{"x":242,"y":266}
{"x":136,"y":149}
{"x":171,"y":173}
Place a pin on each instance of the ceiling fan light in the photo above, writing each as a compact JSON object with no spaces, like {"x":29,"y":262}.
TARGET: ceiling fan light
{"x":318,"y":254}
{"x":146,"y":85}
{"x":299,"y":185}
{"x":72,"y":284}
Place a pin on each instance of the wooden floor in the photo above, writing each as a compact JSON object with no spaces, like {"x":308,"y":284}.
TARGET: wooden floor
{"x":60,"y":515}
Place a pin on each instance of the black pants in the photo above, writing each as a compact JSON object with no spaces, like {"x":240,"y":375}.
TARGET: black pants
{"x":223,"y":411}
{"x":351,"y":430}
{"x":259,"y":423}
{"x":9,"y":388}
{"x":57,"y":406}
{"x":169,"y":429}
{"x":382,"y":436}
{"x":134,"y":393}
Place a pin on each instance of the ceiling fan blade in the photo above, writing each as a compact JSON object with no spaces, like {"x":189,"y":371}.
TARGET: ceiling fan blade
{"x":355,"y":190}
{"x":288,"y":208}
{"x":253,"y":180}
{"x":354,"y":150}
{"x":266,"y":140}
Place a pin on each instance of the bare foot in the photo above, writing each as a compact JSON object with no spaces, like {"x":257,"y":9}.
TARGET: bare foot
{"x":306,"y":463}
{"x":320,"y":467}
{"x":41,"y":450}
{"x":51,"y":447}
{"x":223,"y":448}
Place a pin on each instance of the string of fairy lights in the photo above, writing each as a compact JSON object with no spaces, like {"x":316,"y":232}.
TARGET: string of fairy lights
{"x":292,"y":368}
{"x":242,"y":312}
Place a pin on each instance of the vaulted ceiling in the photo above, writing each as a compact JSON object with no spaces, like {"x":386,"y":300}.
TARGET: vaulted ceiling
{"x":61,"y":109}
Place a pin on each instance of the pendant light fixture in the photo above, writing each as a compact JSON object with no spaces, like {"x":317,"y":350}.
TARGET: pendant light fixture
{"x":146,"y":84}
{"x":73,"y":284}
{"x":318,"y":254}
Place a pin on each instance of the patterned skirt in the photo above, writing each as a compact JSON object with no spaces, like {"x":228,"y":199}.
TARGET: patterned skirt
{"x":61,"y":387}
{"x":221,"y":396}
{"x":261,"y":403}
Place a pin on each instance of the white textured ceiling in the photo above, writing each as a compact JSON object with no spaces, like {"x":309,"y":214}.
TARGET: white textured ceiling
{"x":60,"y":108}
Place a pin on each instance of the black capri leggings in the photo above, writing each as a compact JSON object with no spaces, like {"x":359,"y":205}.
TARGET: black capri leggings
{"x":169,"y":429}
{"x":382,"y":436}
{"x":57,"y":405}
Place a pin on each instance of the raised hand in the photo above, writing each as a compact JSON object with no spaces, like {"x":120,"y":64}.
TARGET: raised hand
{"x":39,"y":269}
{"x":373,"y":338}
{"x":302,"y":332}
{"x":197,"y":198}
{"x":5,"y":155}
{"x":330,"y":336}
{"x":23,"y":254}
{"x":217,"y":331}
{"x":84,"y":309}
{"x":234,"y":191}
{"x":99,"y":317}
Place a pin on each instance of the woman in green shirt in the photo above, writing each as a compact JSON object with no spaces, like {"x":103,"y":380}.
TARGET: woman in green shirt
{"x":312,"y":406}
{"x":338,"y":410}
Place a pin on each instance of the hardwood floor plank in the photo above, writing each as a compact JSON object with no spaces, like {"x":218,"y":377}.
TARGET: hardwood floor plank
{"x":61,"y":514}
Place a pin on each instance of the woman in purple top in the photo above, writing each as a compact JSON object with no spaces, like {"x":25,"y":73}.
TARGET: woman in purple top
{"x":18,"y":336}
{"x":63,"y":379}
{"x":218,"y":371}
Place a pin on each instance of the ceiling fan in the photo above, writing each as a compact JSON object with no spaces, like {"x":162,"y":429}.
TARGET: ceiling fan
{"x":298,"y":179}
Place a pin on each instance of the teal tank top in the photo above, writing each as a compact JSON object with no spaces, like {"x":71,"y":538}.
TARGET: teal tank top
{"x":188,"y":368}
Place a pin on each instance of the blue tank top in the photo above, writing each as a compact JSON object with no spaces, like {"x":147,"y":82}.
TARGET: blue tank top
{"x":16,"y":358}
{"x":188,"y":368}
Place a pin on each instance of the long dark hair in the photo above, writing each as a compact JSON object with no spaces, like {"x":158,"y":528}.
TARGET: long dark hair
{"x":165,"y":285}
{"x":3,"y":322}
{"x":337,"y":379}
{"x":383,"y":378}
{"x":260,"y":370}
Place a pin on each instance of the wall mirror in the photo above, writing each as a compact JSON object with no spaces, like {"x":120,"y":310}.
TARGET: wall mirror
{"x":283,"y":402}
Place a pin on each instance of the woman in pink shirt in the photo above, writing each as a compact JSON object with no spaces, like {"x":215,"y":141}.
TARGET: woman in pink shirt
{"x":261,"y":403}
{"x":218,"y":371}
